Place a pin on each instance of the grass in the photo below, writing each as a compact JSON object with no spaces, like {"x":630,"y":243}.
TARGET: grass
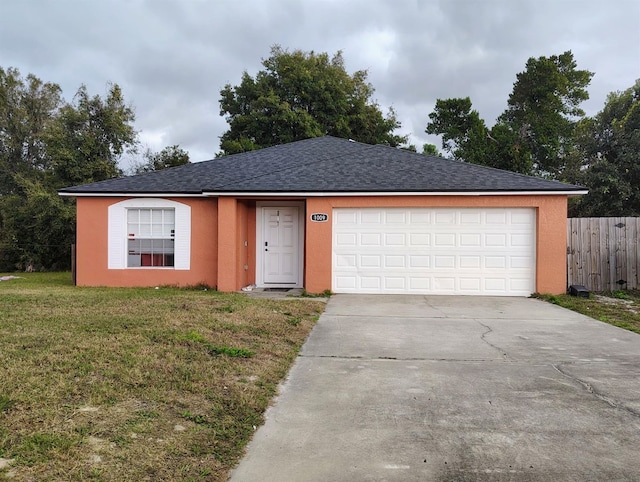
{"x":110,"y":384}
{"x":618,"y":308}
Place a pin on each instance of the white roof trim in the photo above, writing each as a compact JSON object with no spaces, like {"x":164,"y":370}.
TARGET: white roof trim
{"x":328,"y":194}
{"x":126,"y":194}
{"x":417,"y":193}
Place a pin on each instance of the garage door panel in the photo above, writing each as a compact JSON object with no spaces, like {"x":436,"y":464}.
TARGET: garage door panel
{"x":472,"y":217}
{"x":445,"y":217}
{"x":520,"y":262}
{"x":443,"y":285}
{"x":470,"y":240}
{"x":473,"y":285}
{"x":371,"y":217}
{"x":372,"y":283}
{"x":395,"y":217}
{"x":446,"y":262}
{"x":395,"y":239}
{"x":370,"y":261}
{"x":495,"y":284}
{"x":447,"y":240}
{"x":495,"y":262}
{"x":394,"y":283}
{"x":495,"y":217}
{"x":470,"y":261}
{"x":346,"y":239}
{"x":520,"y":239}
{"x":419,"y":284}
{"x":419,"y":261}
{"x":345,"y":283}
{"x":371,"y":239}
{"x":434,"y":250}
{"x":420,"y":217}
{"x":345,"y":261}
{"x":346,"y":217}
{"x":395,"y":261}
{"x":419,"y":239}
{"x":522,"y":217}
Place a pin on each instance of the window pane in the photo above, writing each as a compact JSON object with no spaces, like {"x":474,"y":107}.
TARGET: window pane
{"x":145,"y":229}
{"x":157,"y":245}
{"x":154,"y":237}
{"x":145,"y":215}
{"x":133,"y":248}
{"x":167,"y":246}
{"x":169,"y":260}
{"x":133,"y":261}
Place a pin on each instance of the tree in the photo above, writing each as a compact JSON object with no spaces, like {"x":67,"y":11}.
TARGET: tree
{"x":89,"y":136}
{"x":170,"y":156}
{"x":535,"y":135}
{"x":427,"y":149}
{"x":430,"y":150}
{"x":300,"y":95}
{"x":466,"y":137}
{"x":27,"y":107}
{"x":544,"y":107}
{"x":46,"y":144}
{"x":38,"y":228}
{"x":608,"y":149}
{"x":464,"y":134}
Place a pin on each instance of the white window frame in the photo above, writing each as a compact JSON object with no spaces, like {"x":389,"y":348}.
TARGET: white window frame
{"x":118,"y":236}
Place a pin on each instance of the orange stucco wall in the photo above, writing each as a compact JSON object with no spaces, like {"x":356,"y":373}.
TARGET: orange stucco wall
{"x":551,"y":232}
{"x":245,"y":241}
{"x":223,"y":238}
{"x":92,"y":239}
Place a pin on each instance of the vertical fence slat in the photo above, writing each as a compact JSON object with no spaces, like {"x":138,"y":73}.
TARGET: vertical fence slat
{"x":611,"y":254}
{"x":633,"y":253}
{"x":621,"y":253}
{"x":602,"y":251}
{"x":571,"y":268}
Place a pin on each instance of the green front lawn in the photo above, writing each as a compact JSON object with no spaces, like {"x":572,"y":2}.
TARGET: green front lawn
{"x":136,"y":384}
{"x":618,"y":308}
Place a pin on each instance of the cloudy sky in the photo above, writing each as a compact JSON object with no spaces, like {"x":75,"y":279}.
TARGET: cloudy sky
{"x":172,"y":57}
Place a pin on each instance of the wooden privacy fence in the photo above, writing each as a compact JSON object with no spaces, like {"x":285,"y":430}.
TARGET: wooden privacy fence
{"x":603,"y":253}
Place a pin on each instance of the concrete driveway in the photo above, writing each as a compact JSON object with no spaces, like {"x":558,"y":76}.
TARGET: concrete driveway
{"x":425,"y":388}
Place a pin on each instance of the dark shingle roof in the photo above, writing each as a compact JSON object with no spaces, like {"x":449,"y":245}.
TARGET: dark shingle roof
{"x":323,"y":164}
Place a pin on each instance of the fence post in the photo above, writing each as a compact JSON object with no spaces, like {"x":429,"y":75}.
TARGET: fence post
{"x":73,"y":264}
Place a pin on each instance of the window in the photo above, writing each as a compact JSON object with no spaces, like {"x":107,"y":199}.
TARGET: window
{"x":150,"y":221}
{"x":150,"y":237}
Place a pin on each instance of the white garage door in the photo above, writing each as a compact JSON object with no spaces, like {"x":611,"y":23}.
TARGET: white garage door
{"x":434,"y":251}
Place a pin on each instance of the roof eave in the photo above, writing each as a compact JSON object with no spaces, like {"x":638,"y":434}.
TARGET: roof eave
{"x":322,"y":194}
{"x":394,"y":193}
{"x":129,"y":194}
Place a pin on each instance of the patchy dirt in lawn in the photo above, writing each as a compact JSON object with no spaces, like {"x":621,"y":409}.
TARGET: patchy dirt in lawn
{"x":629,"y":305}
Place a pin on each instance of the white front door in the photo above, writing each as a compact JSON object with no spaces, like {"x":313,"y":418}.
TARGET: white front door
{"x":280,"y":246}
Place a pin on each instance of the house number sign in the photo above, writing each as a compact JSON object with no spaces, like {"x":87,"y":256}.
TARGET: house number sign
{"x":319,"y":217}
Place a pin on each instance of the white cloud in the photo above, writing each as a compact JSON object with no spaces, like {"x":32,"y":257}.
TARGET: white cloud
{"x":172,"y":57}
